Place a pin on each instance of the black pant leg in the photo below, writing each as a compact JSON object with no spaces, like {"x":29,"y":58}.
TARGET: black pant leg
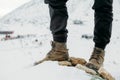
{"x":59,"y":15}
{"x":103,"y":22}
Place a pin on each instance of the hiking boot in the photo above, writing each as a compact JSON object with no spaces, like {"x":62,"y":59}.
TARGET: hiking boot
{"x":59,"y":52}
{"x":96,"y":60}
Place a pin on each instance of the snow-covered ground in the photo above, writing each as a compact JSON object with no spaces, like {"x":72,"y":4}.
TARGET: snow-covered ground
{"x":31,"y":21}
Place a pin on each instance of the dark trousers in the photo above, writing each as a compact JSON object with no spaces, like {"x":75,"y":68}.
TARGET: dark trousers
{"x":103,"y":21}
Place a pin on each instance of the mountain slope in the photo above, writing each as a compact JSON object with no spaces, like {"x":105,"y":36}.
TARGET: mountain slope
{"x":31,"y":20}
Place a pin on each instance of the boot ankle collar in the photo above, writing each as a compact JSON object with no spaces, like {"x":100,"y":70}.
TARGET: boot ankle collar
{"x":99,"y":50}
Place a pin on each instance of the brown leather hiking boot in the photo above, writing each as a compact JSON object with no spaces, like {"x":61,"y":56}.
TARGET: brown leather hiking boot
{"x":97,"y":58}
{"x":59,"y":52}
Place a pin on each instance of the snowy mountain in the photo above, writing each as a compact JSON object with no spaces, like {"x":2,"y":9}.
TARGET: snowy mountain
{"x":31,"y":22}
{"x":31,"y":11}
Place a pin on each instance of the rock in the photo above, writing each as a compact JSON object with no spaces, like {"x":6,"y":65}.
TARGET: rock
{"x":64,"y":63}
{"x":105,"y":74}
{"x":74,"y":61}
{"x":78,"y":22}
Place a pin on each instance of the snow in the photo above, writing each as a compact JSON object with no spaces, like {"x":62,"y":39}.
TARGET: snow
{"x":31,"y":21}
{"x":7,"y":6}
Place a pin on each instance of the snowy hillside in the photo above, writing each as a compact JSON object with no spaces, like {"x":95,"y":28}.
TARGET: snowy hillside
{"x":31,"y":23}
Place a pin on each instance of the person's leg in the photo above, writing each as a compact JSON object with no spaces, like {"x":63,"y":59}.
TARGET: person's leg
{"x":59,"y":15}
{"x":102,"y":31}
{"x":103,"y":22}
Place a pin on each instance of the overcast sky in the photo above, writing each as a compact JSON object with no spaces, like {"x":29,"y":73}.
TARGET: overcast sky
{"x":7,"y":6}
